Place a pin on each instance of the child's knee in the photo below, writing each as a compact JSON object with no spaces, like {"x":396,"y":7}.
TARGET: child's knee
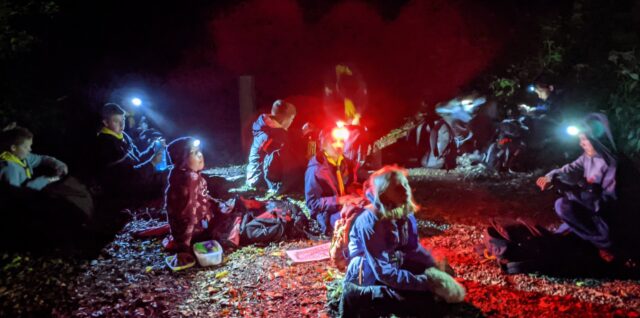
{"x":562,"y":207}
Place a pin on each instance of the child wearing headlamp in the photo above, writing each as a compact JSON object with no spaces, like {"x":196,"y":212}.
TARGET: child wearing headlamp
{"x":330,"y":180}
{"x":187,"y":198}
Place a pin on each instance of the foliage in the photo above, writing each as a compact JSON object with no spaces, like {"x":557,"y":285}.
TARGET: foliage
{"x":502,"y":86}
{"x":592,"y":60}
{"x":24,"y":28}
{"x":624,"y":101}
{"x":548,"y":57}
{"x":18,"y":25}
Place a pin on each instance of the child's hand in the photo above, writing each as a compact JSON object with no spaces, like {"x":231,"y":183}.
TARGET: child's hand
{"x":62,"y":169}
{"x":157,"y":158}
{"x":543,"y":183}
{"x":349,"y":199}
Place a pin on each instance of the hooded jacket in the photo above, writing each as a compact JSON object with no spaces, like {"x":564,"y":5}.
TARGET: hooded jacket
{"x":599,"y":169}
{"x":321,"y":184}
{"x":188,"y":207}
{"x":268,"y":136}
{"x":387,"y":251}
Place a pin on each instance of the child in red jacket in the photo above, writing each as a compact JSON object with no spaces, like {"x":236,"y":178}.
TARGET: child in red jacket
{"x":187,"y":198}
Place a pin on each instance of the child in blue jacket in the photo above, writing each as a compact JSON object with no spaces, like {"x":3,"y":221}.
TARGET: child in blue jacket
{"x":329,"y":182}
{"x":389,"y":271}
{"x":269,"y":146}
{"x":17,"y":162}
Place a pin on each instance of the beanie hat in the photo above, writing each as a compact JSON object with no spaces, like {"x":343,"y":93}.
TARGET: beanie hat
{"x":179,"y":150}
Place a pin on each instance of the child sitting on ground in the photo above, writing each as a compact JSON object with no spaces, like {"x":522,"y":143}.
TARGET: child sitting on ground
{"x":17,"y":162}
{"x":122,"y":168}
{"x":330,"y":181}
{"x":187,"y":198}
{"x":389,"y":271}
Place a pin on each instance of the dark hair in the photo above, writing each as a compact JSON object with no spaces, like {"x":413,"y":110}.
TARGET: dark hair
{"x":543,"y":80}
{"x":281,"y":108}
{"x":14,"y":136}
{"x":110,"y":109}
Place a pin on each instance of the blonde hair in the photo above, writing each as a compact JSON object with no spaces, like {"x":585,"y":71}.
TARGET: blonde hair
{"x":381,"y":181}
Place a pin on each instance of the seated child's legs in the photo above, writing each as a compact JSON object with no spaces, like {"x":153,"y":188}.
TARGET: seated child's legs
{"x":381,"y":300}
{"x":584,"y":223}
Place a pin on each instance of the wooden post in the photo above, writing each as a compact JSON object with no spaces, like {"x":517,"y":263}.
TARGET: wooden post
{"x":247,"y":102}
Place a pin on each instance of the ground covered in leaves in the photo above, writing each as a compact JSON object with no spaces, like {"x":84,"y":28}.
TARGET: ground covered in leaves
{"x":129,"y":278}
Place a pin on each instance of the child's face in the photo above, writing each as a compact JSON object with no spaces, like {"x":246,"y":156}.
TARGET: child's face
{"x":195,"y":161}
{"x":333,"y":148}
{"x":395,"y":195}
{"x":586,"y":145}
{"x":543,"y":92}
{"x":115,"y":123}
{"x":22,"y":150}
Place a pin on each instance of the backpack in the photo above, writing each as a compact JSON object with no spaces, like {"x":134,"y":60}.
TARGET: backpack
{"x":274,"y":222}
{"x":262,"y":229}
{"x":519,"y":247}
{"x":339,"y":249}
{"x":442,"y":149}
{"x":522,"y":247}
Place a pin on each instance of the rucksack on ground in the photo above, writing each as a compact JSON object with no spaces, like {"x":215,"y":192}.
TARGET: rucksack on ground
{"x":523,"y":247}
{"x":442,"y":151}
{"x":339,"y":251}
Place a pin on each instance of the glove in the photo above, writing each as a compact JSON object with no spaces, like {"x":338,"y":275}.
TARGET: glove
{"x":444,"y":286}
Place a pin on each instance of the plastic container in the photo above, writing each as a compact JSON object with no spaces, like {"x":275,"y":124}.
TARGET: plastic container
{"x":208,"y":253}
{"x":170,"y":260}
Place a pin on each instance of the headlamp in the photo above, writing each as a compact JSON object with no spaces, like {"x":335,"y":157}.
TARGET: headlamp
{"x":196,"y":143}
{"x":531,"y":88}
{"x":340,"y":133}
{"x":573,"y":130}
{"x":136,"y":101}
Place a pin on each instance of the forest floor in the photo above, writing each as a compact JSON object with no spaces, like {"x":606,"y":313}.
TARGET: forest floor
{"x":129,"y":278}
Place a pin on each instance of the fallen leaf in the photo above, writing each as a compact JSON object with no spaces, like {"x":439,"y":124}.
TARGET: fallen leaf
{"x":222,"y":274}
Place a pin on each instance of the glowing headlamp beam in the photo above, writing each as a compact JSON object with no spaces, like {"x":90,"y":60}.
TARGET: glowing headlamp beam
{"x":136,"y":101}
{"x":573,"y":130}
{"x":196,"y":143}
{"x":531,"y":88}
{"x":340,"y":133}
